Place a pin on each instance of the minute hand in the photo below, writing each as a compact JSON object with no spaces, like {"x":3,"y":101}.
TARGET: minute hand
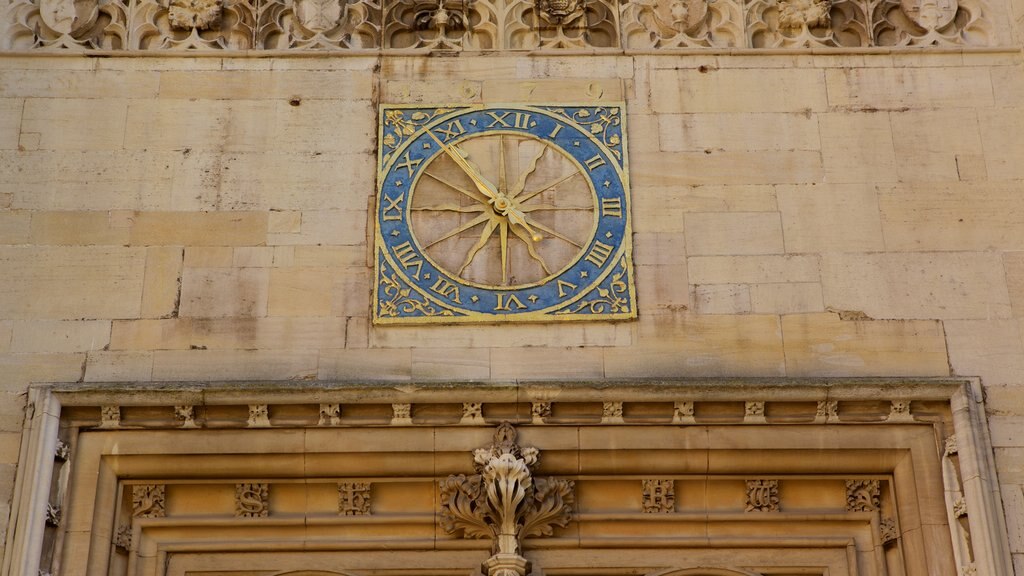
{"x":485,"y":187}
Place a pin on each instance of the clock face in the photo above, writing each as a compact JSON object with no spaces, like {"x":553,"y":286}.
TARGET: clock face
{"x":503,"y":213}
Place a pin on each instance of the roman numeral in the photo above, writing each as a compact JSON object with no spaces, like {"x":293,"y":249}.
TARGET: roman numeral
{"x":558,"y":128}
{"x":562,"y":286}
{"x":408,"y":257}
{"x":520,"y":120}
{"x":599,"y":254}
{"x":454,"y":129}
{"x":446,"y":289}
{"x":611,"y":207}
{"x":393,"y":204}
{"x":409,"y":164}
{"x":506,"y":301}
{"x":594,"y":163}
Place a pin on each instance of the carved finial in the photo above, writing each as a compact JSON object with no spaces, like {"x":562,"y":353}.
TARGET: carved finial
{"x":252,"y":500}
{"x":862,"y":495}
{"x":330,"y":415}
{"x":259,"y":416}
{"x":659,"y":496}
{"x":353,"y":498}
{"x":505,"y":502}
{"x":148,"y":501}
{"x":110,"y":416}
{"x":762,"y":496}
{"x":186,"y":413}
{"x":683,"y":413}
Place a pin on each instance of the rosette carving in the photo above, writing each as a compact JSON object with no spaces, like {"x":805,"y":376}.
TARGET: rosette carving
{"x":504,"y":502}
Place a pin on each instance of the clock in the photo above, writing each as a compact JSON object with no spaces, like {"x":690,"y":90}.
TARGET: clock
{"x":502,"y":213}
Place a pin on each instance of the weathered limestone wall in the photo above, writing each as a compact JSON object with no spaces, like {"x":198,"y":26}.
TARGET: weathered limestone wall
{"x":205,"y":218}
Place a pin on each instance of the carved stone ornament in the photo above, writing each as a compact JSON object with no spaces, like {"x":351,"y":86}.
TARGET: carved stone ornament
{"x":330,"y":415}
{"x":110,"y":416}
{"x":950,"y":446}
{"x":187,"y":415}
{"x":800,"y":14}
{"x":900,"y":412}
{"x":827,"y":411}
{"x":259,"y":416}
{"x":62,"y":452}
{"x":611,"y":412}
{"x":959,"y":507}
{"x":53,"y":514}
{"x":354,"y":498}
{"x":194,"y":14}
{"x":503,"y":501}
{"x":319,"y":24}
{"x":148,"y":501}
{"x":888,"y":530}
{"x":401,"y":413}
{"x":762,"y":496}
{"x":659,"y":496}
{"x":540,"y":411}
{"x":472,"y":413}
{"x":560,"y":11}
{"x":682,"y":412}
{"x":123,"y":537}
{"x":862,"y":495}
{"x":252,"y":500}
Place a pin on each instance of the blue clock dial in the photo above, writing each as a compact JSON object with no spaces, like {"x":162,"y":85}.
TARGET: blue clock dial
{"x":503,"y":213}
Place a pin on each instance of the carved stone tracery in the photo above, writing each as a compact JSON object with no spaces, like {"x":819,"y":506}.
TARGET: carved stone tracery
{"x":504,"y":502}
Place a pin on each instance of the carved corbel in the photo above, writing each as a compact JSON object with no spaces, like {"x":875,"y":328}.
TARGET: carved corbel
{"x":504,"y":502}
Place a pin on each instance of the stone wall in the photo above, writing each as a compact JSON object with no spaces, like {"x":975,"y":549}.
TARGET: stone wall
{"x":195,"y":218}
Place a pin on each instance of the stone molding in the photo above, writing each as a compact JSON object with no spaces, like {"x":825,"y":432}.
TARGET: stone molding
{"x":977,"y":525}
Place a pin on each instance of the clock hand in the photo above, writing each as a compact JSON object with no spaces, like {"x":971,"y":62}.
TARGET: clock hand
{"x":485,"y":187}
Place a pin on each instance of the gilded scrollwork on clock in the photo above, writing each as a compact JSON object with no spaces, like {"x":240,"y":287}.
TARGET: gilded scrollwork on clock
{"x":503,"y":213}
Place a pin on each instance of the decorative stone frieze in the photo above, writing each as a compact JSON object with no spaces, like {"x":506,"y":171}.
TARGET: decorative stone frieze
{"x":503,"y":501}
{"x":485,"y":25}
{"x":762,"y":496}
{"x":611,"y":413}
{"x":659,"y":496}
{"x":862,"y":495}
{"x":330,"y":415}
{"x":753,"y":413}
{"x":259,"y":416}
{"x":826,"y":411}
{"x":353,"y":498}
{"x":186,"y":415}
{"x":252,"y":500}
{"x":148,"y":501}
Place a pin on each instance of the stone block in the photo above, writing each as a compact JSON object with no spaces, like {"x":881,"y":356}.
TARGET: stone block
{"x":1013,"y":262}
{"x":343,"y":85}
{"x":662,"y":286}
{"x":546,"y":363}
{"x":857,"y":147}
{"x":220,"y":292}
{"x":886,"y":88}
{"x":78,"y":228}
{"x":14,"y":227}
{"x":418,"y":68}
{"x":733,"y":233}
{"x":162,"y":282}
{"x":597,"y":66}
{"x":753,"y":269}
{"x":268,"y":333}
{"x":737,"y":131}
{"x":20,"y":370}
{"x":684,"y":344}
{"x":199,"y":229}
{"x":928,"y":143}
{"x":70,"y":83}
{"x":369,"y":364}
{"x":737,"y":90}
{"x":75,"y":124}
{"x":119,"y":367}
{"x":327,"y":227}
{"x":830,"y":218}
{"x":205,"y":365}
{"x":298,"y":291}
{"x":350,"y":293}
{"x":6,"y":333}
{"x":357,"y":332}
{"x":659,"y":248}
{"x":10,"y":121}
{"x":329,"y":256}
{"x":722,"y":299}
{"x":209,"y":256}
{"x":59,"y":336}
{"x":825,"y":345}
{"x":164,"y":334}
{"x":990,"y":349}
{"x":284,"y":221}
{"x":728,"y":167}
{"x":253,"y":256}
{"x":956,"y":216}
{"x":1000,"y":134}
{"x":786,"y":298}
{"x":70,"y":282}
{"x":947,"y":286}
{"x":451,"y":364}
{"x":92,"y":179}
{"x":643,"y":133}
{"x":558,"y":89}
{"x":562,"y":334}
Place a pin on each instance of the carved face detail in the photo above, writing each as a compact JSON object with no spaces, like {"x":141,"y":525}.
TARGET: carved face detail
{"x":197,"y":14}
{"x":67,"y":16}
{"x":318,"y":15}
{"x":795,"y":14}
{"x":930,"y":14}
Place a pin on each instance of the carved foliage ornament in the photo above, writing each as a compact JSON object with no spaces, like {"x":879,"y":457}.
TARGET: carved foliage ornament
{"x":503,"y":501}
{"x":148,"y":501}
